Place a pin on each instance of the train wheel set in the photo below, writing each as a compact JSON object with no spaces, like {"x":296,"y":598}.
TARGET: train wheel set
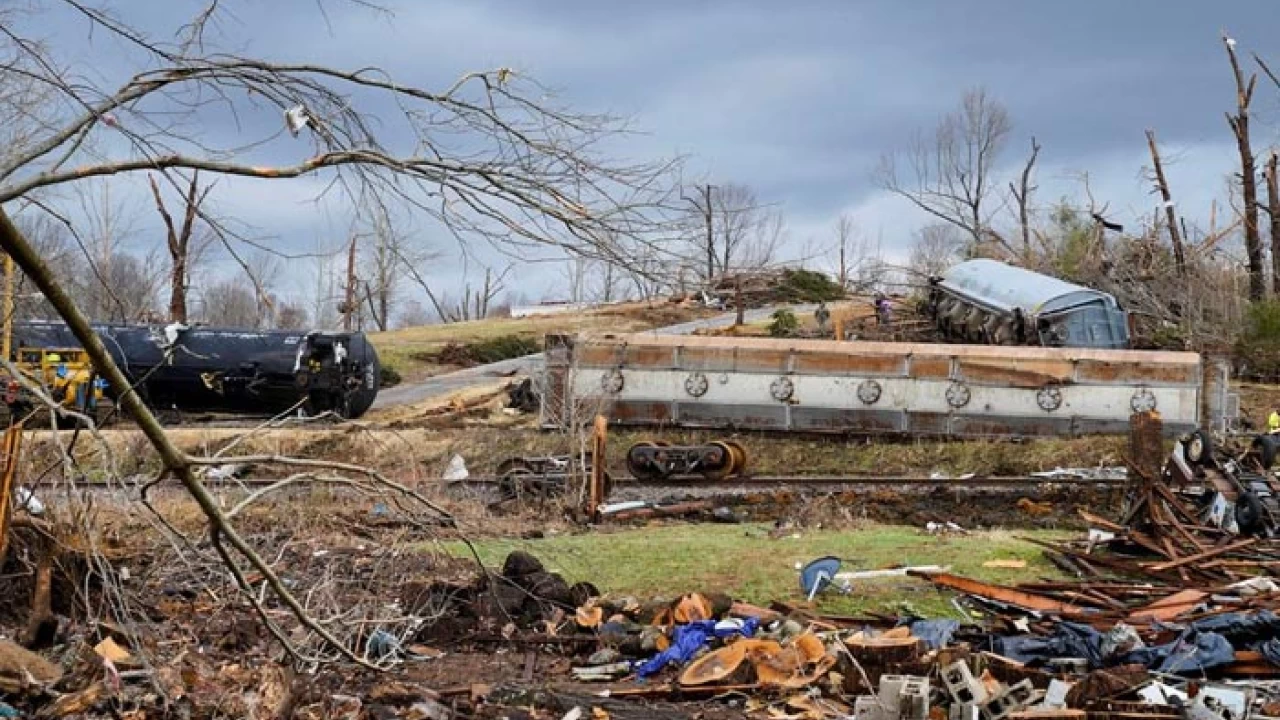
{"x":544,"y":477}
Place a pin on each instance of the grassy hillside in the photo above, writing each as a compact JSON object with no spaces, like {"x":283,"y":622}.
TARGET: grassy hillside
{"x":414,"y":352}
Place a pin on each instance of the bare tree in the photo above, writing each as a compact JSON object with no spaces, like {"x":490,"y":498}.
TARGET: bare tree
{"x":291,"y":316}
{"x":1022,"y":197}
{"x":1171,"y":217}
{"x":1239,"y":124}
{"x":844,"y":247}
{"x":937,"y":247}
{"x":731,"y":230}
{"x":950,"y":174}
{"x":178,"y":240}
{"x":858,"y":257}
{"x":489,"y":158}
{"x":1273,"y":211}
{"x":230,"y":303}
{"x":412,"y":314}
{"x":575,"y":273}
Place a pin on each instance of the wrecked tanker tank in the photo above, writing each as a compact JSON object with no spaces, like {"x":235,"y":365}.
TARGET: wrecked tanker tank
{"x":233,"y":370}
{"x":989,"y":302}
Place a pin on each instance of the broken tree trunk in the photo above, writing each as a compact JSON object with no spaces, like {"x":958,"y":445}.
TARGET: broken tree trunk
{"x":1273,"y":209}
{"x":1248,"y":173}
{"x":1170,"y":215}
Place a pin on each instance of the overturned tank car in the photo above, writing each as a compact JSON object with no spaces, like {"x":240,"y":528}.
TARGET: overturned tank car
{"x":989,"y":302}
{"x":255,"y":372}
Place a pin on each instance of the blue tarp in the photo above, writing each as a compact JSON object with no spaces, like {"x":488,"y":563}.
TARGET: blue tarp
{"x":688,"y":639}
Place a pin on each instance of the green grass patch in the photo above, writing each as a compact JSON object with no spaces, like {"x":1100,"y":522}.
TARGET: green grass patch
{"x":742,"y":560}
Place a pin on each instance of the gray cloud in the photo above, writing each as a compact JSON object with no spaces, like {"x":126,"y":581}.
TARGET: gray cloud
{"x":798,"y":100}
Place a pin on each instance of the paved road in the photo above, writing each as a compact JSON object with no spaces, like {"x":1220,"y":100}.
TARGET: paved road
{"x":449,"y":383}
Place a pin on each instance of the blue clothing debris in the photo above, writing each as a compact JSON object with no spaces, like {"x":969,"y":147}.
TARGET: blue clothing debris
{"x":688,"y":639}
{"x":935,"y":633}
{"x":1192,"y":652}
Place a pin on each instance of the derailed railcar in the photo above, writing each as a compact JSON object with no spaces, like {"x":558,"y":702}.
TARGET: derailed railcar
{"x":985,"y":301}
{"x":876,"y":388}
{"x":255,"y":372}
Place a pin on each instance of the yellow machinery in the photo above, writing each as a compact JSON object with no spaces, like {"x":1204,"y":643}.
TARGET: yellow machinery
{"x":66,"y":373}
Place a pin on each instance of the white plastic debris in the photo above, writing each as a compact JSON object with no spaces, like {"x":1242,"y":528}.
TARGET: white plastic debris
{"x":1100,"y":536}
{"x":1056,"y":697}
{"x":1157,"y":693}
{"x":296,"y":118}
{"x":1231,"y":42}
{"x":622,"y":506}
{"x":457,"y":469}
{"x":172,"y":332}
{"x":28,"y":501}
{"x":1255,"y":586}
{"x":892,"y":572}
{"x":228,"y":471}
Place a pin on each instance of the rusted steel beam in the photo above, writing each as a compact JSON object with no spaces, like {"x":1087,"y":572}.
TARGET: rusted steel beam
{"x":1192,"y":559}
{"x":1006,"y":595}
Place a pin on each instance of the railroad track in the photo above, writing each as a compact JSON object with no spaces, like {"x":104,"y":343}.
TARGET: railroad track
{"x":691,"y":481}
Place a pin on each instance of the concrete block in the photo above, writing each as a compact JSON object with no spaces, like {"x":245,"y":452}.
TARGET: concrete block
{"x":961,"y":685}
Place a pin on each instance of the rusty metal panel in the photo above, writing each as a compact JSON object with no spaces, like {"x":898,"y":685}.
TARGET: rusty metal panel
{"x":639,"y":413}
{"x":1151,"y":372}
{"x":645,"y":355}
{"x":930,"y":366}
{"x":926,"y":423}
{"x":745,"y":417}
{"x":710,"y":359}
{"x":764,"y":360}
{"x":1028,"y":373}
{"x":835,"y":363}
{"x":842,"y":420}
{"x":598,"y":354}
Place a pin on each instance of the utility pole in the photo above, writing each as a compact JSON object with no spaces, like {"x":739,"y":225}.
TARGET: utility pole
{"x":349,"y":303}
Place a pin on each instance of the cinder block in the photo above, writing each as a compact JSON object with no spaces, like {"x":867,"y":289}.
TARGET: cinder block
{"x":868,"y":707}
{"x":1014,"y":698}
{"x":961,"y":685}
{"x":914,"y":703}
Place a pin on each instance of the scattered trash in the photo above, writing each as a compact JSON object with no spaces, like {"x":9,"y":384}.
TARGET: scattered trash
{"x":456,"y":469}
{"x":1005,"y":564}
{"x":29,"y":502}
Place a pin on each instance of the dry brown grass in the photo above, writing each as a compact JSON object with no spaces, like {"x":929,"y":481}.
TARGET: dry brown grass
{"x":408,"y":350}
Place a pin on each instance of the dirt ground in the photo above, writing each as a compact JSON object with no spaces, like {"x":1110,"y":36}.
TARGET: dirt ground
{"x":364,"y":558}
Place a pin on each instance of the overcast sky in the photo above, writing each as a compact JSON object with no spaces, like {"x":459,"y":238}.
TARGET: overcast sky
{"x":799,"y":100}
